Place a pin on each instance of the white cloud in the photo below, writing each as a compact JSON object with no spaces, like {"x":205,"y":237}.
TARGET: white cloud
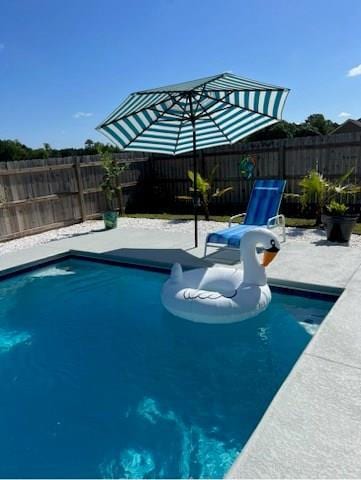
{"x":355,"y":71}
{"x":82,"y":114}
{"x":344,"y":115}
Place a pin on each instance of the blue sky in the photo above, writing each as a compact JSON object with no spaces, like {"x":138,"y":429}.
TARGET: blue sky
{"x":65,"y":64}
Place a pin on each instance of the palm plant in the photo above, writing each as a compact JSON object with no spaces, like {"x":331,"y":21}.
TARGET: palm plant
{"x":323,"y":194}
{"x":204,"y":190}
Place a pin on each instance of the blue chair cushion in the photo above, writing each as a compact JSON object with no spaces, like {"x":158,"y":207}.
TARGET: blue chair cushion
{"x":230,"y":236}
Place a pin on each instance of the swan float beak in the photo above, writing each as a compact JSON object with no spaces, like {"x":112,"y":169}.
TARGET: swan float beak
{"x":269,"y":255}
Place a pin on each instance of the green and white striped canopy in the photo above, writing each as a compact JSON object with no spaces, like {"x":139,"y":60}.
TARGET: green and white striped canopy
{"x":223,"y":109}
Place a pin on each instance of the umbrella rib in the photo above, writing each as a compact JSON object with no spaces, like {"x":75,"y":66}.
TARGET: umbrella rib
{"x":233,"y":90}
{"x":180,"y":127}
{"x":238,"y":106}
{"x":178,"y":135}
{"x":212,"y":120}
{"x":177,"y":117}
{"x":240,"y":89}
{"x":214,"y":111}
{"x":138,"y":111}
{"x":150,"y":125}
{"x":182,"y":92}
{"x":201,"y":115}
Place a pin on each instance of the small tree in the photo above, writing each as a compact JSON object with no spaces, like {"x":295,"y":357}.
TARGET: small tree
{"x":47,"y":150}
{"x":321,"y":125}
{"x":89,"y":144}
{"x":204,"y":190}
{"x":111,"y":185}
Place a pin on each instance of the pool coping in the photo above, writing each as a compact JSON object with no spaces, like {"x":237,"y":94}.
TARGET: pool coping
{"x":159,"y":266}
{"x":280,"y":445}
{"x":250,"y":462}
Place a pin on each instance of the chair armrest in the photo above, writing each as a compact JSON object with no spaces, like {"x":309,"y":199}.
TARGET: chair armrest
{"x":235,"y":216}
{"x":276,"y":220}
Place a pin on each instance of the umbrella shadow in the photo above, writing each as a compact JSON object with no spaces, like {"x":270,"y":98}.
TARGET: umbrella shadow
{"x":157,"y":257}
{"x":180,"y":220}
{"x":327,"y":243}
{"x":224,"y":255}
{"x":73,"y":235}
{"x":295,"y":233}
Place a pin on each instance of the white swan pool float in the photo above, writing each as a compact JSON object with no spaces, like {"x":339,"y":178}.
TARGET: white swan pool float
{"x":221,"y":294}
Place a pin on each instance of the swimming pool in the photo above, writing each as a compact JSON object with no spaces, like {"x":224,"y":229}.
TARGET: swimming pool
{"x":98,"y":380}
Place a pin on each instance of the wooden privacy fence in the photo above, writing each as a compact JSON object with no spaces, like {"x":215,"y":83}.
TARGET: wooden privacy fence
{"x":290,"y":159}
{"x":37,"y":195}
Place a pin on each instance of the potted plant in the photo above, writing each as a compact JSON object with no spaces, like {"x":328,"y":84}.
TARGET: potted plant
{"x":111,"y":189}
{"x":204,"y":190}
{"x":338,"y":223}
{"x":325,"y":198}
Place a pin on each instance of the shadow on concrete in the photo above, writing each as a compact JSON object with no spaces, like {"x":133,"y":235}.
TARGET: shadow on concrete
{"x":224,"y":255}
{"x":297,"y":232}
{"x":158,"y":256}
{"x":326,"y":243}
{"x":66,"y":236}
{"x":176,"y":221}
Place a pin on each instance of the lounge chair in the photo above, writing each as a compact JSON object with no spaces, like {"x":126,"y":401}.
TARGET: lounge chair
{"x":262,"y":211}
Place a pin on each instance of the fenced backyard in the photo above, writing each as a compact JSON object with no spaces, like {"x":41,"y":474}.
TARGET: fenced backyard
{"x":290,"y":159}
{"x":37,"y":195}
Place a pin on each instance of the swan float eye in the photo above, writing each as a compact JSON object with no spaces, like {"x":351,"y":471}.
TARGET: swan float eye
{"x":273,"y":248}
{"x":270,"y":253}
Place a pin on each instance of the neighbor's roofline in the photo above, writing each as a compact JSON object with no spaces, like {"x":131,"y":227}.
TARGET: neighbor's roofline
{"x":349,"y":120}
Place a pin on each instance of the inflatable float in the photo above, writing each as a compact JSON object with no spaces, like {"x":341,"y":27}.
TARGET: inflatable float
{"x":220,"y":294}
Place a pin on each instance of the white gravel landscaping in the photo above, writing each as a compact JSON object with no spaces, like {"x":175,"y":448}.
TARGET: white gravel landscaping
{"x":293,"y":233}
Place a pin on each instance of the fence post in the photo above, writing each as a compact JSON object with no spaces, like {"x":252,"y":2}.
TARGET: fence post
{"x":120,"y":198}
{"x":282,"y":161}
{"x":79,"y":182}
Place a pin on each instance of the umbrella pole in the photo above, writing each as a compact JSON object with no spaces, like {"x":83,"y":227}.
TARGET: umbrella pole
{"x":195,"y":193}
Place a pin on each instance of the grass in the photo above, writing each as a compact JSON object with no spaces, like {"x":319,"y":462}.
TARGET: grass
{"x":290,"y":221}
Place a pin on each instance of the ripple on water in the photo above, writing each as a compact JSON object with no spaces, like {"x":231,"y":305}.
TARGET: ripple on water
{"x":207,"y":454}
{"x":11,"y":338}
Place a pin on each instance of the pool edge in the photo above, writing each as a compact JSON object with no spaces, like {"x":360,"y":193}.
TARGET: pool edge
{"x":234,"y":471}
{"x":157,"y":266}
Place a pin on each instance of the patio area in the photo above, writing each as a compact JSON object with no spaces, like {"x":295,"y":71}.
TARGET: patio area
{"x":306,"y":257}
{"x":312,"y":428}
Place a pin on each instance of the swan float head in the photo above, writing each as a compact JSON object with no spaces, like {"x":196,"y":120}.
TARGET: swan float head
{"x":223,"y":294}
{"x":263,"y":238}
{"x":254,"y":271}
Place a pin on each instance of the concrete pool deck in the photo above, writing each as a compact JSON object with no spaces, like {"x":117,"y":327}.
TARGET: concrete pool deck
{"x":312,"y":429}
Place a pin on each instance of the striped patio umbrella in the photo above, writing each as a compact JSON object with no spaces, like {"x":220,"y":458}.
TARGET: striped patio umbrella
{"x":198,"y":114}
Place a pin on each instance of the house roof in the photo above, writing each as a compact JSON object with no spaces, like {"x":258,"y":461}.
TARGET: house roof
{"x":349,"y":121}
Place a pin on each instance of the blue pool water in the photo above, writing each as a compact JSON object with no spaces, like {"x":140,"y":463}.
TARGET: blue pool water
{"x":98,"y":380}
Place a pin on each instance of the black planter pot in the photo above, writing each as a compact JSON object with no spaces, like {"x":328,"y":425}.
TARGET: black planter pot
{"x":339,"y":227}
